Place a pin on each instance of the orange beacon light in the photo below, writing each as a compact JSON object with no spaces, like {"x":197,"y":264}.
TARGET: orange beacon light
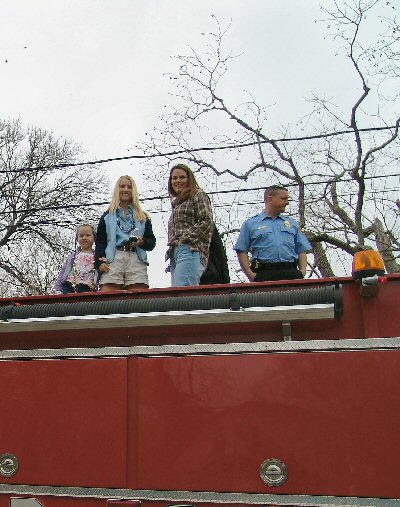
{"x":367,"y":263}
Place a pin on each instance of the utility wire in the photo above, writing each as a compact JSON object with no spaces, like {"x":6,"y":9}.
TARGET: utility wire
{"x":214,"y":192}
{"x":195,"y":150}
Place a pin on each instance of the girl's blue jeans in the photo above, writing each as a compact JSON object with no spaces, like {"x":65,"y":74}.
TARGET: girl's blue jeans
{"x":186,"y":267}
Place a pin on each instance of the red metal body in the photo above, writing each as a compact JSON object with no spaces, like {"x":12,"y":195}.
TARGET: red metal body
{"x":94,"y":426}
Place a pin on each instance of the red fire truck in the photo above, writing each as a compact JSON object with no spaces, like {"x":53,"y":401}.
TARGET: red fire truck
{"x":281,"y":393}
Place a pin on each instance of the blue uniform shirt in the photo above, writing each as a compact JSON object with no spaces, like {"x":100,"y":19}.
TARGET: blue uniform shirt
{"x":272,"y":240}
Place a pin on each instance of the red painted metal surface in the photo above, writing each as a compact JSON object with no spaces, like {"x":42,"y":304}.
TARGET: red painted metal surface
{"x":207,"y":423}
{"x":363,"y":318}
{"x":65,"y":420}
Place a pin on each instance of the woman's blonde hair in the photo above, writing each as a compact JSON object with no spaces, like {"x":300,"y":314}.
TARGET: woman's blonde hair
{"x":140,"y":214}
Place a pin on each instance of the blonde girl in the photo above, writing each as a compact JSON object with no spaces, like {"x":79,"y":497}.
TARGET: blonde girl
{"x":124,"y":236}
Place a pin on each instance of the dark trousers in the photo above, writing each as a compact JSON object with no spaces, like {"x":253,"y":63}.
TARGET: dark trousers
{"x":265,"y":275}
{"x":68,"y":288}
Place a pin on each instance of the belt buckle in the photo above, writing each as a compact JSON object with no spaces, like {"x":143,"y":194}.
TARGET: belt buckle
{"x":127,"y":247}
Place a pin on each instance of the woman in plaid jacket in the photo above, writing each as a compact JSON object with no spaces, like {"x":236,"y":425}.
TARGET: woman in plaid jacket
{"x":189,"y":228}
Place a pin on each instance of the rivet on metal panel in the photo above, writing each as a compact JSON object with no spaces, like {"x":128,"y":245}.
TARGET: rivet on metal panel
{"x":8,"y":465}
{"x":287,"y":331}
{"x":273,"y":472}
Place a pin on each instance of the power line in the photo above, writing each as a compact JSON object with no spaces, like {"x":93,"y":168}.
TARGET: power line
{"x":215,"y":192}
{"x":195,"y":150}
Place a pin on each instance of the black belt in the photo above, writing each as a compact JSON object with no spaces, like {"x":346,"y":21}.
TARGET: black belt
{"x":257,"y":265}
{"x":126,"y":248}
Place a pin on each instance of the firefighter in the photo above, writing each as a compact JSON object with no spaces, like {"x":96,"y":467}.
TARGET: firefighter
{"x":278,"y":247}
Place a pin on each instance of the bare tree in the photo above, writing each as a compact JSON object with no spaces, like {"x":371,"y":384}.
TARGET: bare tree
{"x":335,"y":174}
{"x":41,"y":203}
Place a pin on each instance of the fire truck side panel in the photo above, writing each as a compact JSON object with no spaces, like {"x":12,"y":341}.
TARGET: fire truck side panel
{"x":101,"y":410}
{"x":209,"y":422}
{"x":65,"y":420}
{"x":363,"y":317}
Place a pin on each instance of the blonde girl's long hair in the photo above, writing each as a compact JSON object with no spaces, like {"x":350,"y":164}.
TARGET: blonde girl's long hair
{"x":140,"y":214}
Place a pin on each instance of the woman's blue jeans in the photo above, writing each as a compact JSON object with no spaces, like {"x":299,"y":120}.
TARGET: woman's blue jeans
{"x":186,"y":267}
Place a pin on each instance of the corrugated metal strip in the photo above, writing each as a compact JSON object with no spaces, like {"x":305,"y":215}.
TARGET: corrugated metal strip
{"x":208,"y":348}
{"x":200,"y":496}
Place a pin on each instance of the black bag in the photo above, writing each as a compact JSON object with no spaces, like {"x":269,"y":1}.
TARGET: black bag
{"x":217,"y":270}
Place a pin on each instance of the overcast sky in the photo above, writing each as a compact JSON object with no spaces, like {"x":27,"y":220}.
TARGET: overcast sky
{"x":94,"y":70}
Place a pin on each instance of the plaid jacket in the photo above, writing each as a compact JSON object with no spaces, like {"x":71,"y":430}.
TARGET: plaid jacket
{"x":191,"y":223}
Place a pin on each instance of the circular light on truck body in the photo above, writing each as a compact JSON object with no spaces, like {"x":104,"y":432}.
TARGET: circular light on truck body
{"x":273,"y":472}
{"x":8,"y":465}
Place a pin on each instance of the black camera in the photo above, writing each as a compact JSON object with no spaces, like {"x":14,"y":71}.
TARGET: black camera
{"x":134,"y":236}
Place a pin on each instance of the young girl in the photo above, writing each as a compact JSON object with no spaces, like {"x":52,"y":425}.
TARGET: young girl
{"x":78,"y":271}
{"x":124,"y":235}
